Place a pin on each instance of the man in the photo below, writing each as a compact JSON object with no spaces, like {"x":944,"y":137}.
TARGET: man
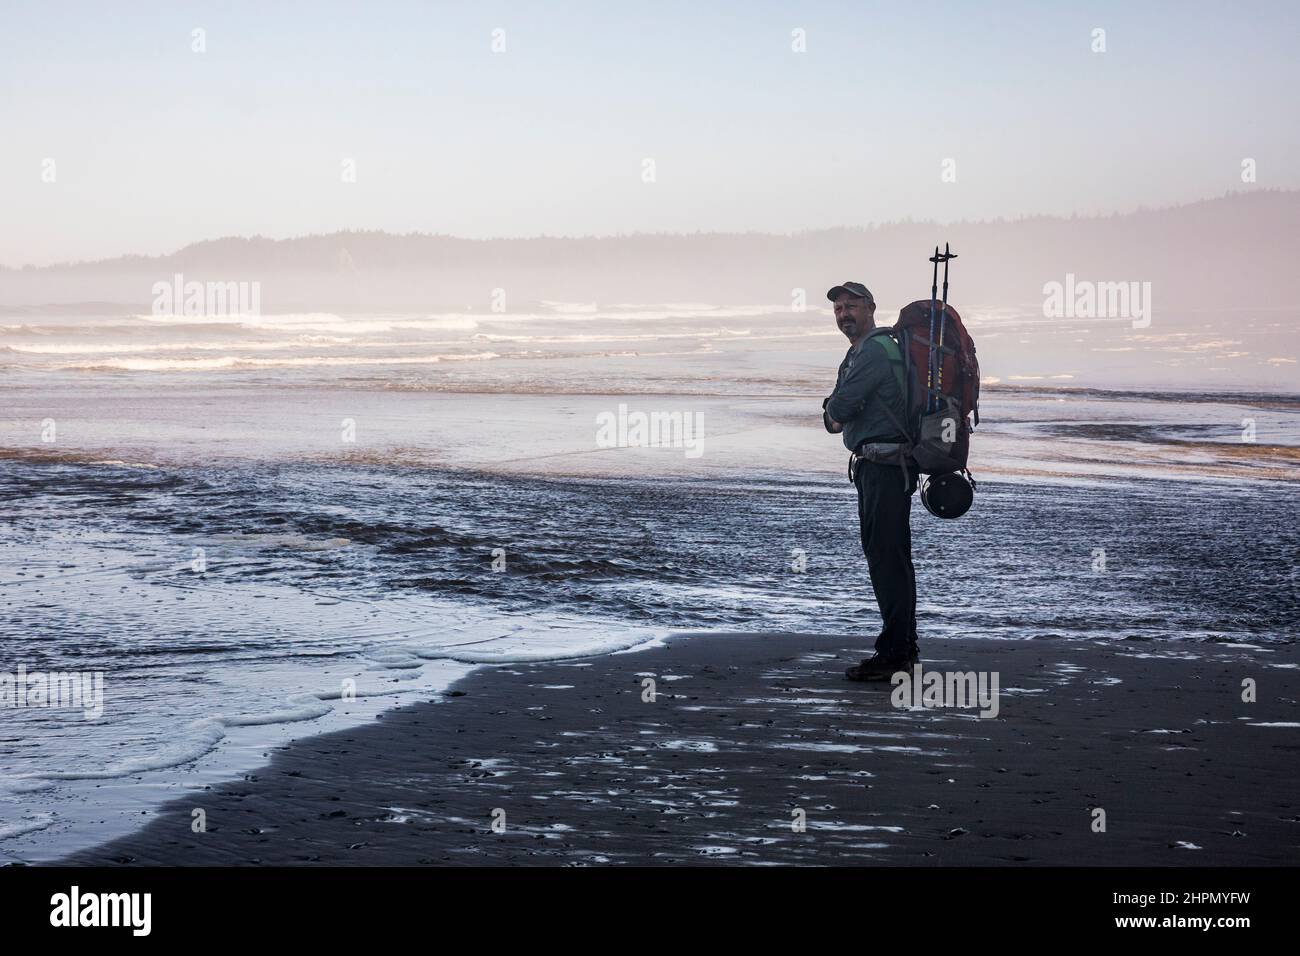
{"x":868,"y":407}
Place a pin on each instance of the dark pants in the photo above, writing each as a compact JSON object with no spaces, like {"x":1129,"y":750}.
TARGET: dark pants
{"x":884,"y":514}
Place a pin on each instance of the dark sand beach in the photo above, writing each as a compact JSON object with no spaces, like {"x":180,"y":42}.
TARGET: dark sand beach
{"x":748,"y":729}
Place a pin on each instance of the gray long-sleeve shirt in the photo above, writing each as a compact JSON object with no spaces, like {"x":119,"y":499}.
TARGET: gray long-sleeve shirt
{"x":864,"y":387}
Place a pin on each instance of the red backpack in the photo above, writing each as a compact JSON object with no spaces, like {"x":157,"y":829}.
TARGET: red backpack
{"x":943,"y":396}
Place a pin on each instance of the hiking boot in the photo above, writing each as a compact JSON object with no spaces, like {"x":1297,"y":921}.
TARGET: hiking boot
{"x":877,"y":668}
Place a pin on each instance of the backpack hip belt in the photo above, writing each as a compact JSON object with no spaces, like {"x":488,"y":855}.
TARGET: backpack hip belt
{"x":882,"y":453}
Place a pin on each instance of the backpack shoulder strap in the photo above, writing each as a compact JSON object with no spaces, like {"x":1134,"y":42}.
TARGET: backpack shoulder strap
{"x":894,"y":354}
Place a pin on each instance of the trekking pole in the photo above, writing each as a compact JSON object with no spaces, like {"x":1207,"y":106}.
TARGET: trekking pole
{"x":934,"y":294}
{"x":943,"y":311}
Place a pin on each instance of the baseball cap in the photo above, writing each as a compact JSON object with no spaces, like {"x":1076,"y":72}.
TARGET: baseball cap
{"x":852,"y":288}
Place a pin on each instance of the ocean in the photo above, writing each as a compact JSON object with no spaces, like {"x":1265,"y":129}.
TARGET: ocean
{"x":265,"y":527}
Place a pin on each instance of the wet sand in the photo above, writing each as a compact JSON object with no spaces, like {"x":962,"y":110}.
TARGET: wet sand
{"x":750,"y":735}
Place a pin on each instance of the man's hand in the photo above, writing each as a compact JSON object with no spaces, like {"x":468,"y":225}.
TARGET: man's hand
{"x":831,"y":424}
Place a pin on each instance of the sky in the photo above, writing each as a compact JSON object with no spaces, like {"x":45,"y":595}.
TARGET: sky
{"x":152,"y":145}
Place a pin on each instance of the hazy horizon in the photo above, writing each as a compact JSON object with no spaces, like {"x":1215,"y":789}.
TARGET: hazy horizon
{"x":130,"y":133}
{"x":130,"y":254}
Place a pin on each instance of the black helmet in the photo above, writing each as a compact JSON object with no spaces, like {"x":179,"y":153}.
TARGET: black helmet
{"x":948,"y":495}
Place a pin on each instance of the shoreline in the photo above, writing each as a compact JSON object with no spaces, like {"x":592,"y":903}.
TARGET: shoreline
{"x":748,"y":730}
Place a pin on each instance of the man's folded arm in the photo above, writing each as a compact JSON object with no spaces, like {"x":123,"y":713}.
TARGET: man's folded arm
{"x":833,"y":427}
{"x":850,"y":396}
